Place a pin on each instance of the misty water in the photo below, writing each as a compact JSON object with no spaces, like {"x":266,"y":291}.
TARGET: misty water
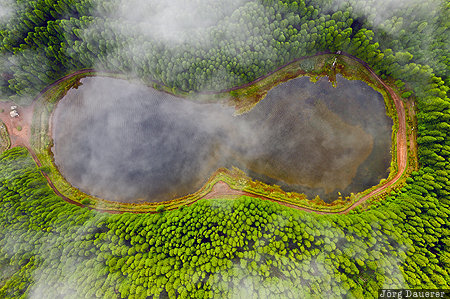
{"x":124,"y":142}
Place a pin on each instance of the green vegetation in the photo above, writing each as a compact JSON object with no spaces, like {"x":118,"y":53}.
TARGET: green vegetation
{"x":5,"y":142}
{"x":215,"y":248}
{"x":243,"y":98}
{"x":220,"y":248}
{"x":68,"y":35}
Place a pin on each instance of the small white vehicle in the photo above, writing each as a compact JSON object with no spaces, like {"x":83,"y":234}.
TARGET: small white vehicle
{"x":13,"y":113}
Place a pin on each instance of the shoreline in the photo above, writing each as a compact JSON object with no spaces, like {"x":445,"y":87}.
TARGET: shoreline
{"x":212,"y":188}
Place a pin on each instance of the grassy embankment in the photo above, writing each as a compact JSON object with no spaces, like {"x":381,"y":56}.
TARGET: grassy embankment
{"x":243,"y":99}
{"x":317,"y":67}
{"x":5,"y":142}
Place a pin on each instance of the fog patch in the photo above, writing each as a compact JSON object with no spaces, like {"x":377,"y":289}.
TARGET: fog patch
{"x":174,"y":21}
{"x":54,"y":280}
{"x":308,"y":271}
{"x":7,"y":9}
{"x":153,"y":39}
{"x":125,"y":142}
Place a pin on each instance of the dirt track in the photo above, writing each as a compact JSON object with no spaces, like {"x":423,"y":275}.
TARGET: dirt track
{"x":220,"y":189}
{"x":17,"y":137}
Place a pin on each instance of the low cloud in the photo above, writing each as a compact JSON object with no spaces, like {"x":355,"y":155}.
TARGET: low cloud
{"x":138,"y":143}
{"x":7,"y":9}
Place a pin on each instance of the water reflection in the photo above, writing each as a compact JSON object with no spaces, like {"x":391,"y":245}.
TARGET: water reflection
{"x":125,"y":142}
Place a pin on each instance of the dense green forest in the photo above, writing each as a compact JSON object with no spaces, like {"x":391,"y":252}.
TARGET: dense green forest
{"x":44,"y":40}
{"x":221,"y":248}
{"x":218,"y":248}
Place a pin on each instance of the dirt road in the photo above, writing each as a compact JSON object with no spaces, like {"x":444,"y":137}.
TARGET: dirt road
{"x":18,"y":127}
{"x":220,"y":189}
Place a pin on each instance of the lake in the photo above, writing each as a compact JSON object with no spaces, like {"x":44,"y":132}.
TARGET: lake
{"x":125,"y":142}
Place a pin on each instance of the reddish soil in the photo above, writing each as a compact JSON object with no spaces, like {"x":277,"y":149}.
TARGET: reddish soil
{"x":17,"y":137}
{"x":402,"y":147}
{"x":22,"y":137}
{"x":220,"y":189}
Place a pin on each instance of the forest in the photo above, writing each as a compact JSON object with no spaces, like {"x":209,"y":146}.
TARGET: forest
{"x":220,"y":248}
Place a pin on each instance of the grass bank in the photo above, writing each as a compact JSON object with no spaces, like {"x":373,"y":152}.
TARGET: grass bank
{"x":243,"y":99}
{"x":5,"y":142}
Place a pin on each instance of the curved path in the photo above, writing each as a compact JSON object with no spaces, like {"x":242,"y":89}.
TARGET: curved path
{"x":220,"y":189}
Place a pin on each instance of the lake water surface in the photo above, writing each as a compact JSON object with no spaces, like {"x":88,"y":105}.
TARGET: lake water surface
{"x":124,"y":142}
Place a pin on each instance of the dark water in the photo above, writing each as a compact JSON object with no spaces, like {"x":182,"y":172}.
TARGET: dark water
{"x":125,"y":142}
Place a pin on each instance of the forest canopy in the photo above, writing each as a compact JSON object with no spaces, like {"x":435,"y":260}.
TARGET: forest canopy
{"x":221,"y":248}
{"x":233,"y":44}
